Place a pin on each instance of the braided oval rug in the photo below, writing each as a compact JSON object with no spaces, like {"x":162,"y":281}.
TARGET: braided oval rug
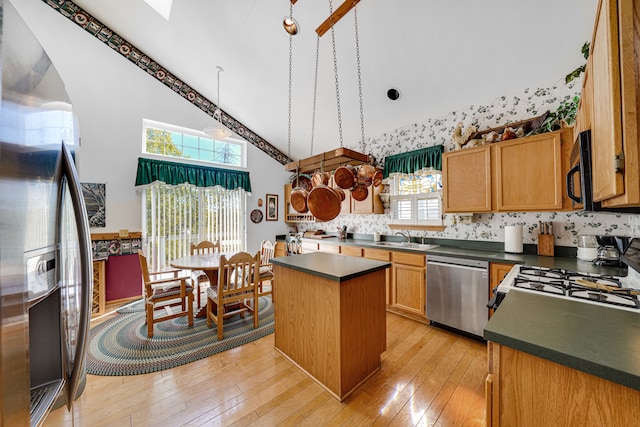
{"x":119,"y":346}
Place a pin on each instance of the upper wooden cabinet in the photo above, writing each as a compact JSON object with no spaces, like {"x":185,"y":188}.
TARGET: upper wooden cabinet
{"x":611,"y":90}
{"x":524,"y":174}
{"x":466,"y":180}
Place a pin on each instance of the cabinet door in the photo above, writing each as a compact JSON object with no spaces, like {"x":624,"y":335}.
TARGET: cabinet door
{"x":466,"y":180}
{"x":308,"y":247}
{"x":328,"y":247}
{"x":497,"y":271}
{"x":529,"y":173}
{"x":408,"y":288}
{"x":351,"y":250}
{"x":408,"y":282}
{"x":606,"y":126}
{"x":371,"y":205}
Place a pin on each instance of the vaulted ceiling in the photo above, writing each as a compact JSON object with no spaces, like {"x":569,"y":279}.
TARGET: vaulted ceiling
{"x":439,"y":55}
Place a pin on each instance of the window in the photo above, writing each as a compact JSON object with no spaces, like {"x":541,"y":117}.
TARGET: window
{"x":174,"y":216}
{"x":416,"y":199}
{"x":173,"y":141}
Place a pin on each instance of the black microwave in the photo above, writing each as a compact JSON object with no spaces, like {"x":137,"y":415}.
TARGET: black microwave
{"x":581,"y":173}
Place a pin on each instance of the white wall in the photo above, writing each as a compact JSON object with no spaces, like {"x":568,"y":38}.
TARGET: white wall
{"x":110,"y":97}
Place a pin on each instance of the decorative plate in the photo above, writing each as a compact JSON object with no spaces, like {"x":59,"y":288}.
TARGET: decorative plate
{"x":256,"y":215}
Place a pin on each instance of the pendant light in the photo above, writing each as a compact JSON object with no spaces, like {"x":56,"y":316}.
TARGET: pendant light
{"x":217,"y":130}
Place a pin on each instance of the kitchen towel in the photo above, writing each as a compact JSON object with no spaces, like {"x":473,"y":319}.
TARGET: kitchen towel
{"x":513,"y":239}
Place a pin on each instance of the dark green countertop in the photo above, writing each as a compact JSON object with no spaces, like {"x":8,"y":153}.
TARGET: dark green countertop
{"x":477,"y":251}
{"x":598,"y":340}
{"x":331,"y":266}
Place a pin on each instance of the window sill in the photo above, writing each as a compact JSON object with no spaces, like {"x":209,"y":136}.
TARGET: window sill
{"x":417,"y":227}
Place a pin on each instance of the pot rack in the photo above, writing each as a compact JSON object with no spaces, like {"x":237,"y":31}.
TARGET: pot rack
{"x":329,"y":160}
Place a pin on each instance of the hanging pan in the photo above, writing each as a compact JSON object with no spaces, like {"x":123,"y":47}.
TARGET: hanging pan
{"x":345,"y":177}
{"x":324,"y":202}
{"x":365,"y":175}
{"x":360,"y":193}
{"x":298,"y":197}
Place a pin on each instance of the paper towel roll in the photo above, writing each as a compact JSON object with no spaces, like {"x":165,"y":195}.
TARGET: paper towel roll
{"x":513,"y":239}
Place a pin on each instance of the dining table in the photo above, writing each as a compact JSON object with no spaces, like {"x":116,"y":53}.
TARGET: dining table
{"x":209,"y":263}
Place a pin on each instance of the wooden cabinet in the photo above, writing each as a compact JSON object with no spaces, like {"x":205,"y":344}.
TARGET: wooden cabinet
{"x":99,"y":281}
{"x":380,"y":255}
{"x":371,"y":205}
{"x":406,"y":279}
{"x":328,"y":247}
{"x":466,"y":180}
{"x":524,"y":174}
{"x":529,"y":173}
{"x":525,"y":390}
{"x":308,"y":247}
{"x":612,"y":87}
{"x":497,"y":271}
{"x":408,"y":283}
{"x":351,"y":250}
{"x":280,"y":250}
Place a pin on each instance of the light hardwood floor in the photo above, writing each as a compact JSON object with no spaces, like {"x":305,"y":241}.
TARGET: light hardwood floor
{"x":429,"y":376}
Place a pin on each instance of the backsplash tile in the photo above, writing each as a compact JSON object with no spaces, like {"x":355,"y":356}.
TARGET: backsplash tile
{"x":485,"y":227}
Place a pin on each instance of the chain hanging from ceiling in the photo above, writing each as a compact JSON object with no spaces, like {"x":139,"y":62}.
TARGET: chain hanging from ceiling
{"x":335,"y":69}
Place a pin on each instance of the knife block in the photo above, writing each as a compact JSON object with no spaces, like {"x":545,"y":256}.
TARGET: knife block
{"x":545,"y":244}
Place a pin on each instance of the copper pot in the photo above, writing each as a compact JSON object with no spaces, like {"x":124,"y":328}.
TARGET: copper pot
{"x":324,"y":203}
{"x":340,"y":192}
{"x":377,"y":178}
{"x":320,"y":178}
{"x":345,"y":177}
{"x":298,"y":199}
{"x":360,"y":193}
{"x":304,"y":182}
{"x":365,"y":175}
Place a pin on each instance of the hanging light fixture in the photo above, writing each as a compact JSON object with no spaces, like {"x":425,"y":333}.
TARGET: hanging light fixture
{"x":217,"y":130}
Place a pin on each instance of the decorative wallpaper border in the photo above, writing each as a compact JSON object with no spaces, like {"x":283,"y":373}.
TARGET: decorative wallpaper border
{"x":126,"y":49}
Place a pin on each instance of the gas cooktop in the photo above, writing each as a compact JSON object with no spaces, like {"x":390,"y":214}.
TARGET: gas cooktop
{"x":613,"y":291}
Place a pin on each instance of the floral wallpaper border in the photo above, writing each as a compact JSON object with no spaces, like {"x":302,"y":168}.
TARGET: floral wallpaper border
{"x":485,"y":227}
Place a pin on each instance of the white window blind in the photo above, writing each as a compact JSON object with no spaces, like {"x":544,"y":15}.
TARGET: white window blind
{"x":176,"y":216}
{"x":416,"y":199}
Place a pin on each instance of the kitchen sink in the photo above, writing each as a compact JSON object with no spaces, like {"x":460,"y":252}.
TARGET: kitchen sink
{"x":407,"y":245}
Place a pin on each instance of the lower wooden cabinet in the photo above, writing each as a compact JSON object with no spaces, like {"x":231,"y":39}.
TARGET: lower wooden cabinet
{"x":406,"y":279}
{"x":528,"y":391}
{"x":380,"y":255}
{"x":280,"y":250}
{"x":408,"y":283}
{"x":99,"y":281}
{"x":497,"y":271}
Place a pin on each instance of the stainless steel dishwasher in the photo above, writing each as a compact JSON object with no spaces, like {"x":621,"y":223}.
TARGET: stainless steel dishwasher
{"x":457,"y":292}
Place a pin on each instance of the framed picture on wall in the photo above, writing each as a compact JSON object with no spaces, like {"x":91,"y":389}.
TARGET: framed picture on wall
{"x":272,"y":207}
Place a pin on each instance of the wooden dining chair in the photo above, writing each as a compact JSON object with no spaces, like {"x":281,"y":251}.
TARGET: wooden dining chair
{"x":236,"y":291}
{"x":199,"y":277}
{"x":293,"y":245}
{"x":167,"y":294}
{"x":267,"y":249}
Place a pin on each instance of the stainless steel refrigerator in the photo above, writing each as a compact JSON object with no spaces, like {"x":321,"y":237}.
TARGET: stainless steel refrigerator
{"x":45,"y":254}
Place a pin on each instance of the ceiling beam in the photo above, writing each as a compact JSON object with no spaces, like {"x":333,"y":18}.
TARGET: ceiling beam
{"x":342,"y":10}
{"x":335,"y":16}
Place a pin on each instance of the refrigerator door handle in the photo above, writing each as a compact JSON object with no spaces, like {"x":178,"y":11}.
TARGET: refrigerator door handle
{"x":84,"y":237}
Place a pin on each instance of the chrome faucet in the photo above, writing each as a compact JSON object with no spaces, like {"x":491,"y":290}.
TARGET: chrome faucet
{"x":405,"y":233}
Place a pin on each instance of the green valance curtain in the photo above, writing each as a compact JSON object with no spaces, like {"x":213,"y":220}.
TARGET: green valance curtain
{"x":179,"y":173}
{"x":430,"y":157}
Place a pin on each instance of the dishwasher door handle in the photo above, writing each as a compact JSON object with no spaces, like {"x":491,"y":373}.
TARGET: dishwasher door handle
{"x":465,"y":267}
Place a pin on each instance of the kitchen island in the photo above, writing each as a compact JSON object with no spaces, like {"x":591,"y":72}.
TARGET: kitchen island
{"x":553,"y":361}
{"x":330,"y":317}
